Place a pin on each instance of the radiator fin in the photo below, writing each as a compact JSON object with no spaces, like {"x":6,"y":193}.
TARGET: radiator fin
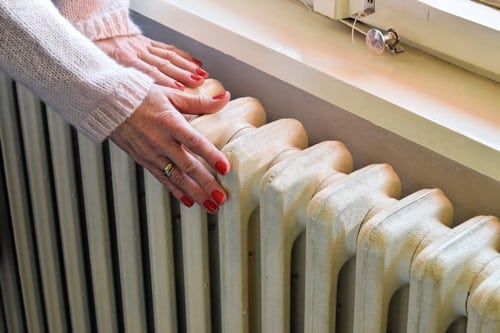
{"x":61,"y":146}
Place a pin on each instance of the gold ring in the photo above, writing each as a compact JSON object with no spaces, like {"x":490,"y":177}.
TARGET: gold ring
{"x":167,"y":171}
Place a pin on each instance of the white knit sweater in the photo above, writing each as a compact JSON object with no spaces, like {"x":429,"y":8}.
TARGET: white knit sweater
{"x":51,"y":52}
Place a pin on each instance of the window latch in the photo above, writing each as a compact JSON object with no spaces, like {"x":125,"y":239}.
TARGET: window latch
{"x":377,"y":41}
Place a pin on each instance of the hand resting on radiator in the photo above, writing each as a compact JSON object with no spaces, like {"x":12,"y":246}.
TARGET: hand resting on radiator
{"x":166,"y":64}
{"x":157,"y":134}
{"x":132,"y":95}
{"x":174,"y":68}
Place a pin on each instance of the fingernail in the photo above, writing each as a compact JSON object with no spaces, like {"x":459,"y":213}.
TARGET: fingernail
{"x":219,"y":96}
{"x":210,"y":206}
{"x":179,"y":85}
{"x":196,"y":77}
{"x":218,"y":196}
{"x":198,"y":62}
{"x":201,"y":71}
{"x":221,"y":167}
{"x":187,"y":201}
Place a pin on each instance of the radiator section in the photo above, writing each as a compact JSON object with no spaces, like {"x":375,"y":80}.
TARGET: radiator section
{"x":91,"y":242}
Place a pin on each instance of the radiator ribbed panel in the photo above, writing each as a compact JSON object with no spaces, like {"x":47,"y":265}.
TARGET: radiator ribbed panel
{"x":90,"y":242}
{"x":92,"y":231}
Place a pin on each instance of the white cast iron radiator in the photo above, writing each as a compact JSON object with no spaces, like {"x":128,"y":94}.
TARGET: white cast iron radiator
{"x":92,"y":243}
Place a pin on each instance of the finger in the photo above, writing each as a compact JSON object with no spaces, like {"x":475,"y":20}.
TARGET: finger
{"x":159,"y":77}
{"x":197,"y":104}
{"x":159,"y":174}
{"x":209,"y":195}
{"x":205,"y":190}
{"x":178,"y":60}
{"x":185,"y":196}
{"x":169,"y":69}
{"x":181,"y":53}
{"x":192,"y":66}
{"x":187,"y":173}
{"x":145,"y":155}
{"x":183,"y":133}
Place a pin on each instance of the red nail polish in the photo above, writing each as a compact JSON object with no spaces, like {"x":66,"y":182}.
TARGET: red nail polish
{"x":196,"y":77}
{"x":210,"y":206}
{"x":179,"y":85}
{"x":221,"y":167}
{"x":198,"y":62}
{"x":218,"y":196}
{"x":219,"y":96}
{"x":201,"y":71}
{"x":187,"y":201}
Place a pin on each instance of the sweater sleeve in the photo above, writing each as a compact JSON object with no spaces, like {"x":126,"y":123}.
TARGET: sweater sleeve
{"x":99,"y":19}
{"x":40,"y":49}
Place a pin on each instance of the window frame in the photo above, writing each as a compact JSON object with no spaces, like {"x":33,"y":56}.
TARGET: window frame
{"x":430,"y":27}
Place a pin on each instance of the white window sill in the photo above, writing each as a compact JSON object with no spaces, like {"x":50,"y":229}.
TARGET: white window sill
{"x":468,"y":10}
{"x":419,"y":97}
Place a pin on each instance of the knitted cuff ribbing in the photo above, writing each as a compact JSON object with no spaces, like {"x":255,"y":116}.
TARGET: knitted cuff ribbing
{"x":113,"y":24}
{"x":102,"y":121}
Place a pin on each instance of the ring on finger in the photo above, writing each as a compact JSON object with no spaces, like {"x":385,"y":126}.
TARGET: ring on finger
{"x":169,"y":169}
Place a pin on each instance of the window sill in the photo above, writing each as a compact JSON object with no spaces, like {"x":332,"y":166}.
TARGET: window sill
{"x":417,"y":96}
{"x":469,"y":10}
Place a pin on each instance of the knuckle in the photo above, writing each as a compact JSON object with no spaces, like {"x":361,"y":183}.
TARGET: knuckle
{"x":199,"y":195}
{"x":189,"y":166}
{"x":163,"y":180}
{"x":169,"y":54}
{"x":119,"y":54}
{"x":192,"y":139}
{"x":199,"y":103}
{"x":164,"y":65}
{"x":170,"y":121}
{"x":158,"y":174}
{"x":209,"y":183}
{"x":151,"y":70}
{"x":178,"y":178}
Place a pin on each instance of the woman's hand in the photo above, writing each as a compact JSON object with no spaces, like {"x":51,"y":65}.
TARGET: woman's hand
{"x":157,"y":134}
{"x":166,"y":64}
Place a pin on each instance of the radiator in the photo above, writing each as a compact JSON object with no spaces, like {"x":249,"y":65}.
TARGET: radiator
{"x":90,"y":242}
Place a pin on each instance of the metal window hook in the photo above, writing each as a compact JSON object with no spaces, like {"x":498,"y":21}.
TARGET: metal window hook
{"x":377,"y":41}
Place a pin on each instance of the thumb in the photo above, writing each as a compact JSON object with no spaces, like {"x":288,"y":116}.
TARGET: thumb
{"x":197,"y":104}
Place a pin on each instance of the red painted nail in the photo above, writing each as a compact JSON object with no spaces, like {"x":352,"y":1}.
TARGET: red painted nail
{"x":179,"y":85}
{"x":198,"y":62}
{"x":196,"y":77}
{"x":221,"y":167}
{"x":219,"y":96}
{"x":218,"y":196}
{"x":201,"y":71}
{"x":187,"y":201}
{"x":210,"y":206}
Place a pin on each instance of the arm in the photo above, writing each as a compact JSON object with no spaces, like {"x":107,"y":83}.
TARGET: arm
{"x":107,"y":23}
{"x":44,"y":52}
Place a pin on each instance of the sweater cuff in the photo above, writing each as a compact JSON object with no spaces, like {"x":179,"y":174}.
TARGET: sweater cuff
{"x":102,"y":121}
{"x":113,"y":24}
